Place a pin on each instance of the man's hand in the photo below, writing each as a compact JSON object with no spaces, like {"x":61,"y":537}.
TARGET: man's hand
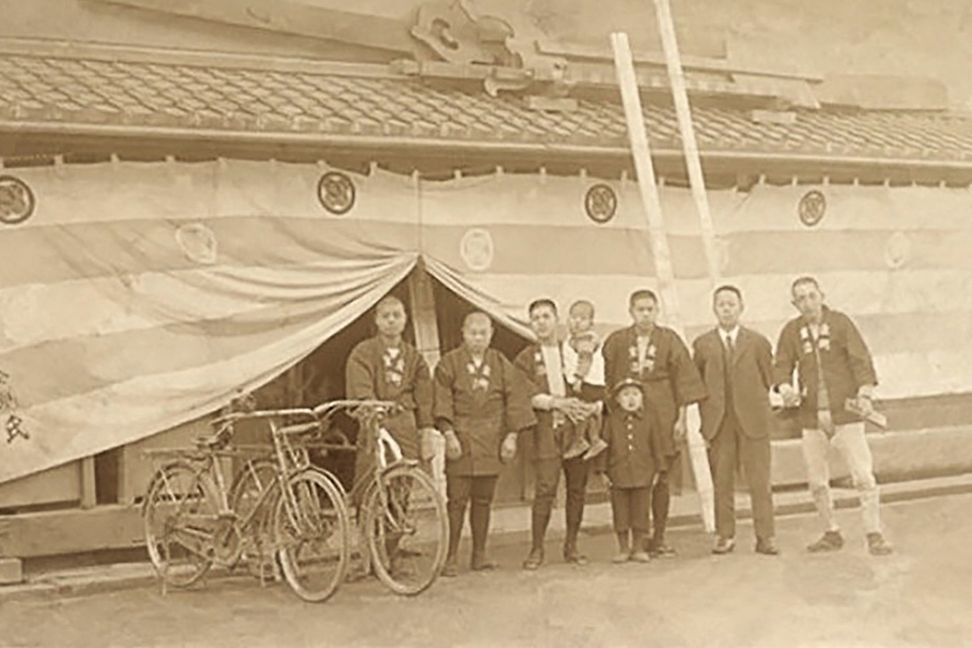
{"x":680,"y":431}
{"x":865,"y":405}
{"x":508,"y":449}
{"x":453,"y":447}
{"x":427,"y":437}
{"x":575,"y":409}
{"x":790,"y":397}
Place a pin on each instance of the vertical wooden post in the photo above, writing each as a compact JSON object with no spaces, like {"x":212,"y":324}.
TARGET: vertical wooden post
{"x":641,"y":152}
{"x":89,"y":488}
{"x":645,"y":170}
{"x":693,"y":163}
{"x":126,"y":459}
{"x":690,"y":147}
{"x":422,"y":299}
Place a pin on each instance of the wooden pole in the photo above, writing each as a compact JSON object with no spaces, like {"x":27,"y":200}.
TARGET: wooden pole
{"x":645,"y":170}
{"x":641,"y":152}
{"x":693,"y":163}
{"x":683,"y":112}
{"x":89,"y":484}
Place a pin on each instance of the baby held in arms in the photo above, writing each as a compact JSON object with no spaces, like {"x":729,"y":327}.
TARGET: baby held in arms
{"x":584,"y":372}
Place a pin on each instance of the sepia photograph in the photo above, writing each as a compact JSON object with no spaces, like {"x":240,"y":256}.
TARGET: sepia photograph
{"x":485,"y":323}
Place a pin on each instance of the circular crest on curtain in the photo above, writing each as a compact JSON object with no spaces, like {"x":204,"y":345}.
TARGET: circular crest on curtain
{"x":198,"y":242}
{"x":812,"y":207}
{"x":600,"y":203}
{"x":16,"y":200}
{"x":336,"y":192}
{"x":476,"y":249}
{"x":898,"y":250}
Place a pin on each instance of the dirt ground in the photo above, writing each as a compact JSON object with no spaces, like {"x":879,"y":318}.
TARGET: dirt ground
{"x":920,"y":596}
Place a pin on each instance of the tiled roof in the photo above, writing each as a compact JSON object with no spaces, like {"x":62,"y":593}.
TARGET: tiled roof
{"x":88,"y":92}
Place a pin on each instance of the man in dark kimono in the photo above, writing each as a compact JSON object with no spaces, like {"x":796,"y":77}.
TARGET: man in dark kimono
{"x":658,"y":357}
{"x":479,"y":408}
{"x":558,"y":408}
{"x":834,"y":366}
{"x":387,"y":368}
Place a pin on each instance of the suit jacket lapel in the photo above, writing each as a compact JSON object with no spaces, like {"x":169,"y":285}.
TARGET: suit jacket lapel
{"x":743,"y":341}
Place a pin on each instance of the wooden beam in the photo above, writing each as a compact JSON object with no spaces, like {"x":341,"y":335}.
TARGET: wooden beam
{"x":641,"y":151}
{"x":89,"y":486}
{"x":51,"y":533}
{"x":422,"y":298}
{"x":290,"y":17}
{"x":690,"y":146}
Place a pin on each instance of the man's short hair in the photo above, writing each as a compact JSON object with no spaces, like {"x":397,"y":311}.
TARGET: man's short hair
{"x":475,"y":315}
{"x":388,"y":300}
{"x":643,"y":293}
{"x":582,"y":303}
{"x":727,"y":288}
{"x":540,"y":303}
{"x":805,"y":279}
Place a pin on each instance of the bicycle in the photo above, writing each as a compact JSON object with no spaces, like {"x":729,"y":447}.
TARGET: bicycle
{"x":401,"y":515}
{"x":277,"y":500}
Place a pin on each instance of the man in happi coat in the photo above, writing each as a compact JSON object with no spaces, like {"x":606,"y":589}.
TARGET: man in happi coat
{"x":480,"y":407}
{"x":658,"y":357}
{"x":386,"y":367}
{"x":558,"y":408}
{"x":834,"y":366}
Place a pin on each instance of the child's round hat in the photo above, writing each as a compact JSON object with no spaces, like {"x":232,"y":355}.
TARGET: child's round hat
{"x":627,"y":382}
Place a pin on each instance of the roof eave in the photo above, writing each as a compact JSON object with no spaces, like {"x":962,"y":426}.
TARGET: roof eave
{"x":468,"y":145}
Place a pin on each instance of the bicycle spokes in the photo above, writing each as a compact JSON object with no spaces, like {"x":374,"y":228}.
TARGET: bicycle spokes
{"x":312,"y":533}
{"x":406,"y":529}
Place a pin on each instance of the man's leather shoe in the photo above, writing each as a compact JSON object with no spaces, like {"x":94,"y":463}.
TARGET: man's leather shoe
{"x":877,"y":545}
{"x":571,"y":555}
{"x":662,"y":551}
{"x":450,"y":569}
{"x":767,"y":546}
{"x":483,"y":564}
{"x":723,"y":545}
{"x":829,"y":541}
{"x":534,"y":560}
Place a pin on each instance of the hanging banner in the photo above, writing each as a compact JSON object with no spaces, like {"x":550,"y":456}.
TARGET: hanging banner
{"x":135,"y":297}
{"x":894,"y":259}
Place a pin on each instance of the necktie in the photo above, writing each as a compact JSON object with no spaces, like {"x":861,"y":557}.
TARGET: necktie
{"x":727,"y":378}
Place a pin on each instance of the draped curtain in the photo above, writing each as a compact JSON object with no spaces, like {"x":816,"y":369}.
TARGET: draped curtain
{"x":137,"y":296}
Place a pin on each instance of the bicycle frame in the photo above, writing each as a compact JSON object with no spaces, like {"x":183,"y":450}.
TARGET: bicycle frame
{"x":289,"y":461}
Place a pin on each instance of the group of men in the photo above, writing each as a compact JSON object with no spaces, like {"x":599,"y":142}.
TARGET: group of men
{"x":555,"y":395}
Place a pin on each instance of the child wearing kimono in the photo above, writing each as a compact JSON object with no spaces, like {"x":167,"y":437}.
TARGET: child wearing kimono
{"x":583,"y":370}
{"x":632,"y":459}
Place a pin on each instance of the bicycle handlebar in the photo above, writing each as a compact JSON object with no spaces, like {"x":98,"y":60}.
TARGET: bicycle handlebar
{"x":318,"y":414}
{"x":374,"y":406}
{"x":233,"y":417}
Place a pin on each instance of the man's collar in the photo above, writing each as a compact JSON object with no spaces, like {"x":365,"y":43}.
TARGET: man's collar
{"x":638,"y":413}
{"x":732,"y":333}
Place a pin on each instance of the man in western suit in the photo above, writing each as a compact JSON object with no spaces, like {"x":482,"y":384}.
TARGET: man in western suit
{"x":736,"y":365}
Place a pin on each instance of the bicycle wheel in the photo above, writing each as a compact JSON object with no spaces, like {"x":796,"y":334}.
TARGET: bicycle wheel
{"x":407,"y":530}
{"x":312,"y":534}
{"x":180,"y":516}
{"x":249,"y":486}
